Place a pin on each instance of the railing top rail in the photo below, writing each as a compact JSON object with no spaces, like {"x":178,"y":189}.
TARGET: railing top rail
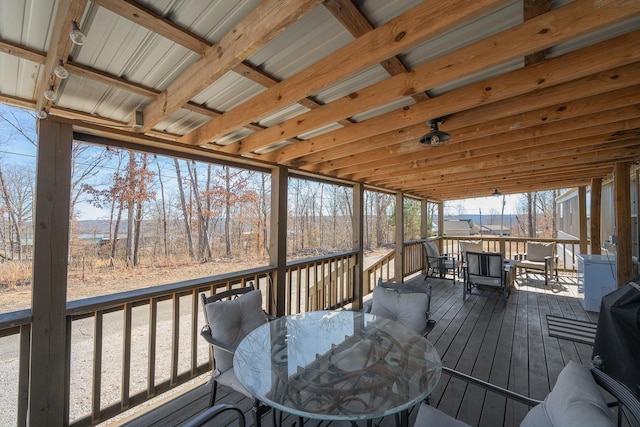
{"x":15,"y":318}
{"x":510,"y":238}
{"x":313,"y":260}
{"x":104,"y":302}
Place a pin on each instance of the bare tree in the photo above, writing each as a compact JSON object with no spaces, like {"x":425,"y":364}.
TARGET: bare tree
{"x":185,"y":212}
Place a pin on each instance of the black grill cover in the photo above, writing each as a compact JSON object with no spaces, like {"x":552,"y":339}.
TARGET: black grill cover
{"x":618,"y":335}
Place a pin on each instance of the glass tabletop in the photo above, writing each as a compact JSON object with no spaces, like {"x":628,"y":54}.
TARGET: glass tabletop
{"x":337,"y":365}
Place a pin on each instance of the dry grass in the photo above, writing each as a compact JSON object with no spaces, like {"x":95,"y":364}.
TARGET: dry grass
{"x":90,"y":277}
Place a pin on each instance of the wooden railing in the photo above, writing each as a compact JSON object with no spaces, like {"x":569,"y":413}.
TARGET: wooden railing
{"x":105,"y":331}
{"x":320,"y":283}
{"x":566,"y":249}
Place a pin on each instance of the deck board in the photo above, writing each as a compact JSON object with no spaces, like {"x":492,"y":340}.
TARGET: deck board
{"x":508,"y":346}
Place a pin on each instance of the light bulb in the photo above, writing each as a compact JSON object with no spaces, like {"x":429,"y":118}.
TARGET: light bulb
{"x":50,"y":94}
{"x":76,"y":36}
{"x":41,"y":114}
{"x":60,"y":71}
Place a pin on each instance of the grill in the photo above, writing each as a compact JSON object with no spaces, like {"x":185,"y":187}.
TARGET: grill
{"x":618,"y":335}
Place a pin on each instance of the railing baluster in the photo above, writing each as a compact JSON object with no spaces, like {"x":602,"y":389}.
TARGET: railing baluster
{"x":194,"y":331}
{"x":97,"y":367}
{"x":151,"y":363}
{"x":126,"y":356}
{"x":23,"y":376}
{"x":175,"y":337}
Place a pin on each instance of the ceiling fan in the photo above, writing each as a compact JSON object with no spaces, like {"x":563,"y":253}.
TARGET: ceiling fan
{"x":435,"y":137}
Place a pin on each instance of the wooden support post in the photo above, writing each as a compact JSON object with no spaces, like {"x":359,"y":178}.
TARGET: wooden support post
{"x":278,"y":241}
{"x":424,"y":228}
{"x":358,"y":244}
{"x":47,"y":387}
{"x":622,"y":191}
{"x":596,"y":212}
{"x":398,"y":262}
{"x":440,"y":224}
{"x":582,"y":214}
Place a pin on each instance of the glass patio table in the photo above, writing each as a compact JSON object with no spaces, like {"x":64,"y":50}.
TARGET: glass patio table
{"x":337,"y":366}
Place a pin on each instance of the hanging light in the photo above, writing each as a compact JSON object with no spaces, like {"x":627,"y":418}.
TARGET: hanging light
{"x":60,"y":71}
{"x":435,"y":137}
{"x":50,"y":94}
{"x":497,"y":193}
{"x":76,"y":36}
{"x":41,"y":114}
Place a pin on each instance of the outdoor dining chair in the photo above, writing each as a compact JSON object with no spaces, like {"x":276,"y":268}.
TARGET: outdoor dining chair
{"x":229,"y":316}
{"x":575,"y":401}
{"x":539,"y":257}
{"x":485,"y":271}
{"x":209,"y":414}
{"x":404,"y":303}
{"x":439,"y":265}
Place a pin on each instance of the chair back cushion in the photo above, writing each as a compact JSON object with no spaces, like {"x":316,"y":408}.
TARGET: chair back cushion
{"x":536,"y":251}
{"x":575,"y":401}
{"x":469,"y":246}
{"x":231,"y":320}
{"x":410,"y":309}
{"x":432,"y":249}
{"x":488,"y":264}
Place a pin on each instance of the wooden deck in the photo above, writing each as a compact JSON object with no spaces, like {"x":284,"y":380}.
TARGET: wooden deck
{"x":508,"y":346}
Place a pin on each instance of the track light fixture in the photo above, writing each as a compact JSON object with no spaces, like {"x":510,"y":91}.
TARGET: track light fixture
{"x":50,"y":94}
{"x":60,"y":71}
{"x":435,"y":137}
{"x":497,"y":193}
{"x":41,"y":114}
{"x":76,"y":36}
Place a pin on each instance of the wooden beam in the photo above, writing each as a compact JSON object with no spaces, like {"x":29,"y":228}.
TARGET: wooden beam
{"x":532,"y":9}
{"x":596,"y":209}
{"x":59,"y":47}
{"x":623,"y":231}
{"x":266,"y":21}
{"x":358,"y":25}
{"x":158,"y":24}
{"x":278,"y":240}
{"x":582,"y":215}
{"x":357,"y":225}
{"x":527,"y":37}
{"x":47,"y":397}
{"x":581,"y":66}
{"x":392,"y":38}
{"x":398,"y":262}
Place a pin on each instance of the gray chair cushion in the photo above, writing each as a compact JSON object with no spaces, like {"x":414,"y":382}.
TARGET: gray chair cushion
{"x":575,"y":401}
{"x":470,"y":246}
{"x":537,"y":251}
{"x":231,"y":321}
{"x":428,"y":416}
{"x":410,"y":309}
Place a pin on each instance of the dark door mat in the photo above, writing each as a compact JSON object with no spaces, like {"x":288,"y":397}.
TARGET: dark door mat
{"x":571,"y":329}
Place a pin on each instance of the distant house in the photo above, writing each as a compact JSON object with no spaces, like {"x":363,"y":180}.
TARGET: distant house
{"x":567,"y":211}
{"x":496,"y":230}
{"x":460,"y":227}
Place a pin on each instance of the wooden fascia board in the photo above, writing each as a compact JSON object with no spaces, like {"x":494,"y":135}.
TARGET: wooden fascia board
{"x":390,"y":39}
{"x":555,"y":27}
{"x":266,"y":21}
{"x":590,"y":67}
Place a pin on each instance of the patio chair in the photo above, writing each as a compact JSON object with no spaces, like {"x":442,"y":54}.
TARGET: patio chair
{"x":486,"y":271}
{"x":540,"y":257}
{"x":575,"y":401}
{"x":229,"y":316}
{"x":213,"y":412}
{"x":469,"y":246}
{"x":438,"y":265}
{"x":405,"y":303}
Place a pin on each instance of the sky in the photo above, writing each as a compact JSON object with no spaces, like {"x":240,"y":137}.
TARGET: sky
{"x":487,"y":204}
{"x":14,"y":149}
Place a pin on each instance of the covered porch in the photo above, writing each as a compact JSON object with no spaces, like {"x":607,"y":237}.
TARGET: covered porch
{"x":509,"y":347}
{"x":530,"y":96}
